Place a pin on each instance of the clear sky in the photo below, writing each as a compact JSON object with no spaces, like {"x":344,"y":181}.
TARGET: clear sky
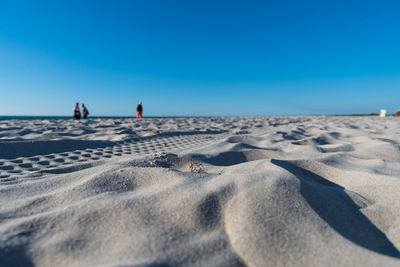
{"x":275,"y":57}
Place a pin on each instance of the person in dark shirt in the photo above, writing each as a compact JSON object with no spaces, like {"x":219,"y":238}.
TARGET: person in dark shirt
{"x":139,"y":110}
{"x":77,"y":112}
{"x":85,"y":111}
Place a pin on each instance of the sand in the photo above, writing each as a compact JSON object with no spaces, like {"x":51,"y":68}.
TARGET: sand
{"x":275,"y":191}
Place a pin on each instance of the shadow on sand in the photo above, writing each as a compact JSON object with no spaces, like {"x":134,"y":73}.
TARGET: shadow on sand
{"x":332,"y":203}
{"x":14,"y":257}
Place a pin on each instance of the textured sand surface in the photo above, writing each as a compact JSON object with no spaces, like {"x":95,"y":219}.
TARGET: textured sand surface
{"x":276,"y":191}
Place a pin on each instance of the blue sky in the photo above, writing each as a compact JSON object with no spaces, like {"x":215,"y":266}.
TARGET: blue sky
{"x":199,"y":57}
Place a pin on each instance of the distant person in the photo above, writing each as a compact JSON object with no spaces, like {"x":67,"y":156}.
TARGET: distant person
{"x":77,"y":112}
{"x":85,"y":111}
{"x":139,"y":110}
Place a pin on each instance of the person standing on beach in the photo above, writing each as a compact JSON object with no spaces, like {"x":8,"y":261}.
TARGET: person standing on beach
{"x":139,"y":110}
{"x":85,"y":111}
{"x":77,"y":112}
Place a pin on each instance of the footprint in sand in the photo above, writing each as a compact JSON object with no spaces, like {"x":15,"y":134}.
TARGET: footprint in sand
{"x":43,"y":162}
{"x":6,"y":167}
{"x":25,"y":165}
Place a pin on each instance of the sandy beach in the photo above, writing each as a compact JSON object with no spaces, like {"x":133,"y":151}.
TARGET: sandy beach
{"x":263,"y":191}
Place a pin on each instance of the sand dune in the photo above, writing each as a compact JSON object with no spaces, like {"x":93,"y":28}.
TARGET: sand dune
{"x":275,"y":191}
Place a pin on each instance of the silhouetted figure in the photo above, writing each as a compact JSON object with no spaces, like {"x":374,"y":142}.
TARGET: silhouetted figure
{"x":77,"y":112}
{"x":139,"y":110}
{"x":85,"y":111}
